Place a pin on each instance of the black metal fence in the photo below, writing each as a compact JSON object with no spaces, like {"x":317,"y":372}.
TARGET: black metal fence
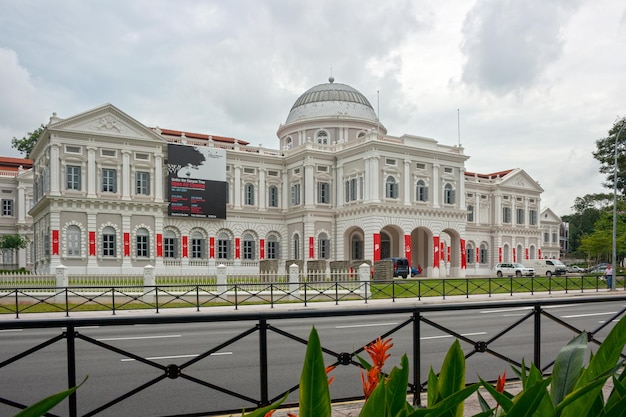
{"x":70,"y":340}
{"x":74,"y":299}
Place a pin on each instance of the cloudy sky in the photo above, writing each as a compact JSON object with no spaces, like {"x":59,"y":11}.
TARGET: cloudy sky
{"x":535,"y":82}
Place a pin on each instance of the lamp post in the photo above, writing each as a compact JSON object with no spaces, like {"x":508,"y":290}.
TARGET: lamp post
{"x":614,"y":261}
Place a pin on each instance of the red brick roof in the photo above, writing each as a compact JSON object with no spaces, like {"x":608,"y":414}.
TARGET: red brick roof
{"x":191,"y":135}
{"x":12,"y":164}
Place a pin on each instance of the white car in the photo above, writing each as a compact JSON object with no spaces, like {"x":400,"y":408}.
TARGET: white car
{"x":513,"y":269}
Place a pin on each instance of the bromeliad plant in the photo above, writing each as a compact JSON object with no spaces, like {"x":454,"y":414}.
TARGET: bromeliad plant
{"x":572,"y":390}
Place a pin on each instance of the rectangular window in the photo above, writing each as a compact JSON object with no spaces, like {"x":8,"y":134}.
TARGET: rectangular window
{"x":295,"y":195}
{"x":169,"y":247}
{"x":142,"y":183}
{"x":273,"y":196}
{"x":108,"y":245}
{"x":73,"y":177}
{"x":352,"y":189}
{"x":109,"y":180}
{"x":7,"y":207}
{"x":324,"y":249}
{"x":143,"y":248}
{"x":323,"y":193}
{"x":197,"y":248}
{"x":506,"y":214}
{"x":532,"y":217}
{"x":223,"y":249}
{"x":546,"y":237}
{"x":272,"y":250}
{"x":248,"y":249}
{"x":520,"y":216}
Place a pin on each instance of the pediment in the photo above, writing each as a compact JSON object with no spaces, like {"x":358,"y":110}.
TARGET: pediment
{"x":547,"y":215}
{"x":519,"y":179}
{"x":106,"y":120}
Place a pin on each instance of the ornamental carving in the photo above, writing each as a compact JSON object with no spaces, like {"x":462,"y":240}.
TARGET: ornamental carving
{"x":108,"y":122}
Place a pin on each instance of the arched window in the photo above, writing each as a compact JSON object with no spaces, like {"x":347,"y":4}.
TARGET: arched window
{"x":272,"y":247}
{"x":272,"y":200}
{"x":73,"y":238}
{"x":296,"y":246}
{"x":170,"y":245}
{"x":448,"y":194}
{"x":322,"y":137}
{"x":142,"y":243}
{"x":484,"y":256}
{"x":223,"y":246}
{"x":356,"y":247}
{"x":421,"y":191}
{"x":249,"y":197}
{"x":470,"y":253}
{"x":109,"y":242}
{"x":288,"y":143}
{"x":198,"y":245}
{"x":323,"y":246}
{"x":249,"y":247}
{"x":391,"y":187}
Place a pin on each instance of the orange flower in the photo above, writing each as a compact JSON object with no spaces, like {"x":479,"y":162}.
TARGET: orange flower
{"x":328,"y":370}
{"x":270,"y":413}
{"x":378,"y":351}
{"x":501,"y":382}
{"x":371,"y":381}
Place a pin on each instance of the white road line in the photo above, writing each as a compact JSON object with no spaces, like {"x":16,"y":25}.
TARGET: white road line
{"x":156,"y":358}
{"x":573,"y":316}
{"x":165,"y":336}
{"x":84,"y":327}
{"x":365,"y":325}
{"x":11,"y":330}
{"x":449,"y":335}
{"x":504,"y":310}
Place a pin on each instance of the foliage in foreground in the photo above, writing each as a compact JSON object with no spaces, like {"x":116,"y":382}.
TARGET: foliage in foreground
{"x":572,"y":390}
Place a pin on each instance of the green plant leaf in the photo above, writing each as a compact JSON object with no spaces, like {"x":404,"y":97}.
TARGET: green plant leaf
{"x":533,"y":398}
{"x":314,"y":393}
{"x":396,"y":387}
{"x":567,"y":368}
{"x":43,"y":406}
{"x":260,"y":412}
{"x":365,"y":364}
{"x":376,"y":406}
{"x":503,"y":400}
{"x":452,"y":375}
{"x":484,"y":405}
{"x":618,"y":392}
{"x":432,"y":393}
{"x":448,"y":404}
{"x":604,"y":360}
{"x":618,"y":409}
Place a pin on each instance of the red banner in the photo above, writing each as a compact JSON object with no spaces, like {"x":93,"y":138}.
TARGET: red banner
{"x":407,"y":248}
{"x":477,"y":255}
{"x":376,"y":246}
{"x":159,"y":238}
{"x":448,"y":254}
{"x":212,"y":247}
{"x":436,"y":255}
{"x":463,"y":255}
{"x":55,"y":242}
{"x":499,"y":254}
{"x":527,"y":254}
{"x":126,"y":244}
{"x":311,"y":247}
{"x":514,"y":255}
{"x":262,"y":248}
{"x":237,"y":248}
{"x":442,"y":250}
{"x":539,"y":253}
{"x":92,"y":243}
{"x":185,"y":246}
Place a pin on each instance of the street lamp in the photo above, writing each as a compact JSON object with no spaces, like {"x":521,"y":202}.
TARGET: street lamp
{"x":615,"y":209}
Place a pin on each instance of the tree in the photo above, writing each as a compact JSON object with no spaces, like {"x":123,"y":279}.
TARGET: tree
{"x":27,"y":143}
{"x":12,"y":242}
{"x":605,"y":154}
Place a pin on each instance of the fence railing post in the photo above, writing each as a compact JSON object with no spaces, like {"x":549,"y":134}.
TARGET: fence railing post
{"x":62,"y":281}
{"x":294,"y":281}
{"x":221,"y":279}
{"x":149,"y":284}
{"x":364,"y":277}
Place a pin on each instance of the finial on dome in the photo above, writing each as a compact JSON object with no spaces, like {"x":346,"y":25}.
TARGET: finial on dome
{"x":331,"y":79}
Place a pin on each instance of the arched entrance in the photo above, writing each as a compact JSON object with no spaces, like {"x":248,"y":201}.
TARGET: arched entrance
{"x":354,"y":249}
{"x":422,"y":250}
{"x":451,"y":265}
{"x":391,"y":242}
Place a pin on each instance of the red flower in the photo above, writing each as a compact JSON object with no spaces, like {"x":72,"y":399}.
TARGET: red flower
{"x":371,"y":381}
{"x":328,"y":370}
{"x":501,"y":382}
{"x":378,"y":351}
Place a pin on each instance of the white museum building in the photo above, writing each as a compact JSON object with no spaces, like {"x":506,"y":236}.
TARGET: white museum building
{"x":96,"y":197}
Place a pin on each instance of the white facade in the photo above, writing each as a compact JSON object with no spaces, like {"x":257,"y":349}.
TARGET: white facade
{"x":338,"y":188}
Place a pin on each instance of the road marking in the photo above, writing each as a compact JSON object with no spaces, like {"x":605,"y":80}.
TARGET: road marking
{"x":194,"y":355}
{"x":365,"y":325}
{"x":573,"y":316}
{"x":11,"y":330}
{"x":165,"y":336}
{"x":449,"y":335}
{"x":504,"y":310}
{"x":83,"y":327}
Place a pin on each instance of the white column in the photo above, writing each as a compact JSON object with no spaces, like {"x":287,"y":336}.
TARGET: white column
{"x":476,"y":208}
{"x":158,"y":178}
{"x":498,"y":209}
{"x":309,"y":186}
{"x":55,"y":170}
{"x":237,"y":188}
{"x":368,"y":179}
{"x":374,"y":183}
{"x":407,"y":183}
{"x":126,"y":175}
{"x":435,"y":186}
{"x":91,"y":172}
{"x":262,"y":190}
{"x":461,"y":203}
{"x":21,"y":203}
{"x":340,"y":188}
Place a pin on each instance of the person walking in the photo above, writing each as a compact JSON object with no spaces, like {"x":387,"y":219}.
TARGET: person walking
{"x":608,"y":275}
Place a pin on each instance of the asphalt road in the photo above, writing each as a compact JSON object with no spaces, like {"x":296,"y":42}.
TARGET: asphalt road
{"x":235,"y":367}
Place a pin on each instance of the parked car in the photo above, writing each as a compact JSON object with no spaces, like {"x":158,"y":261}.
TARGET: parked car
{"x":575,"y":269}
{"x":400,"y":267}
{"x":598,"y":269}
{"x":513,"y":269}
